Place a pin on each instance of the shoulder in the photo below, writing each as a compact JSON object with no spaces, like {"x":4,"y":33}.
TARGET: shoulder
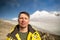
{"x":12,"y":30}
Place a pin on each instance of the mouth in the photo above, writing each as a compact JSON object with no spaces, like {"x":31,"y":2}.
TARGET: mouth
{"x":23,"y":23}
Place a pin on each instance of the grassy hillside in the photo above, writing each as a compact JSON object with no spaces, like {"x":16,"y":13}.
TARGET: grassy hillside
{"x":4,"y":29}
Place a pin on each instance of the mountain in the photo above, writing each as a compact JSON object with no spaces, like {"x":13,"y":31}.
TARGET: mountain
{"x":44,"y":14}
{"x":47,"y":21}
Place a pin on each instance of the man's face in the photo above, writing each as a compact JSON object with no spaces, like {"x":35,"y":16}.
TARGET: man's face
{"x":23,"y":20}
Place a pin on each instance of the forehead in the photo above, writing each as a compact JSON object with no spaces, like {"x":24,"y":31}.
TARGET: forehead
{"x":23,"y":15}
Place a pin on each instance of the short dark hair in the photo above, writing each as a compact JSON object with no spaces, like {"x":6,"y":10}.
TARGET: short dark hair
{"x":24,"y":13}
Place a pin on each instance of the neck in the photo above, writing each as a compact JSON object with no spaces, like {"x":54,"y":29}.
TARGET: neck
{"x":23,"y":30}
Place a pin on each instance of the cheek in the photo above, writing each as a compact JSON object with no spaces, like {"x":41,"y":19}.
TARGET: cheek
{"x":27,"y":21}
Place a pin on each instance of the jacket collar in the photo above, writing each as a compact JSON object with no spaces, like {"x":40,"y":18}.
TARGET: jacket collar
{"x":16,"y":29}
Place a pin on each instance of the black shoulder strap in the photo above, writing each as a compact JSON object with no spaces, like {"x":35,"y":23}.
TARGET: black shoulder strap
{"x":30,"y":29}
{"x":14,"y":32}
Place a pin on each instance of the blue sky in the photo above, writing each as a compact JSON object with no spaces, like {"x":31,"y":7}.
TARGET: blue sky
{"x":11,"y":8}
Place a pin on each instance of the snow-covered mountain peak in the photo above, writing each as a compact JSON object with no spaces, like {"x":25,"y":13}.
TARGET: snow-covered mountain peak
{"x":39,"y":14}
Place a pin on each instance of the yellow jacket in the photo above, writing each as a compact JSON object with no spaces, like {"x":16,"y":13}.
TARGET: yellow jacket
{"x":32,"y":35}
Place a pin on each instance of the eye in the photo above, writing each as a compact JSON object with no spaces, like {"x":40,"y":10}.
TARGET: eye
{"x":20,"y":18}
{"x":25,"y":18}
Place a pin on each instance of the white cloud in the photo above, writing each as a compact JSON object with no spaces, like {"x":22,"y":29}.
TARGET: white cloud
{"x":14,"y":19}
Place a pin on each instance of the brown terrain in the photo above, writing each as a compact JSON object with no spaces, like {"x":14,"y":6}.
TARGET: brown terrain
{"x":5,"y":28}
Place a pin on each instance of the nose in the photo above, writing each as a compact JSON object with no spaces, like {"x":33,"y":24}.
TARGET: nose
{"x":23,"y":19}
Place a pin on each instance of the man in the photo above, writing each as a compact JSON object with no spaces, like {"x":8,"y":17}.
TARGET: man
{"x":24,"y":31}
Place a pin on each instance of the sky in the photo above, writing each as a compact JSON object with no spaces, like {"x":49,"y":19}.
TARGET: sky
{"x":11,"y":8}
